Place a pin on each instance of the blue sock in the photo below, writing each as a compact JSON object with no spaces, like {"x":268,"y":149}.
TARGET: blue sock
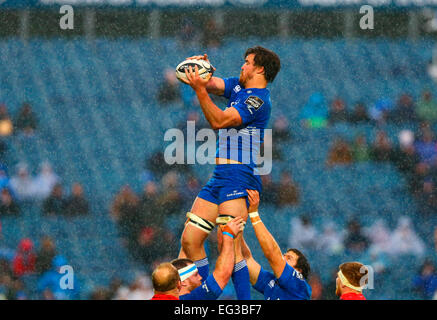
{"x":241,"y":281}
{"x":203,"y":267}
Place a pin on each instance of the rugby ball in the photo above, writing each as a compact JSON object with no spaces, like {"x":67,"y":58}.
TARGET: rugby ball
{"x":205,"y":68}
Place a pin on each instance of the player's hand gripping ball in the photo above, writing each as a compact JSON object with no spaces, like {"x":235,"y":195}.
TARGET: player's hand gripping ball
{"x":204,"y":69}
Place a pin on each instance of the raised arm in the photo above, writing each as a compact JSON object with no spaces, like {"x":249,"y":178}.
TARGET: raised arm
{"x":268,"y":244}
{"x":216,"y":117}
{"x":225,"y":261}
{"x":253,"y":266}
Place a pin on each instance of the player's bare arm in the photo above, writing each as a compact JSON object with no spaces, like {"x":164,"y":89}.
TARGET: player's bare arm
{"x":216,"y":117}
{"x":225,"y":261}
{"x":253,"y":266}
{"x":268,"y":244}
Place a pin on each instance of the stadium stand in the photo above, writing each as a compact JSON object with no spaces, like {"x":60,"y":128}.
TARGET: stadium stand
{"x":97,"y":110}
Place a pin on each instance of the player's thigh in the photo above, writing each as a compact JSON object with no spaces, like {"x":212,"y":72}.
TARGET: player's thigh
{"x":205,"y":209}
{"x":235,"y":207}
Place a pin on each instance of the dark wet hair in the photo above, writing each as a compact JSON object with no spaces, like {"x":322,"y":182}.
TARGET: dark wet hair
{"x":181,"y":263}
{"x":267,"y":59}
{"x":302,"y":263}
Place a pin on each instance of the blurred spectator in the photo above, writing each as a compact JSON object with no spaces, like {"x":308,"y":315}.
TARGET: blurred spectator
{"x":212,"y":35}
{"x":56,"y":203}
{"x":191,"y":189}
{"x":171,"y":200}
{"x":153,"y":239}
{"x":114,"y":286}
{"x":156,"y":164}
{"x":404,"y":239}
{"x":280,"y":134}
{"x":315,"y":113}
{"x":4,"y":177}
{"x":8,"y":206}
{"x":169,"y":90}
{"x":270,"y":191}
{"x":339,"y":154}
{"x":338,"y":112}
{"x":51,"y":283}
{"x":155,"y":244}
{"x":45,"y":180}
{"x":281,"y":130}
{"x":435,"y":239}
{"x":22,"y":184}
{"x":316,"y":286}
{"x":380,"y":110}
{"x":404,"y":110}
{"x":6,"y":126}
{"x":24,"y":260}
{"x":125,"y":210}
{"x":149,"y":206}
{"x":359,"y":114}
{"x":355,"y":241}
{"x":76,"y":204}
{"x":140,"y":289}
{"x":45,"y":255}
{"x":405,"y":157}
{"x":26,"y":121}
{"x":425,"y":282}
{"x":360,"y":149}
{"x":188,"y":34}
{"x":331,"y":240}
{"x":426,"y":147}
{"x":427,"y":197}
{"x":289,"y":193}
{"x":381,"y":150}
{"x":427,"y":108}
{"x":379,"y":236}
{"x":303,"y":233}
{"x":99,"y":293}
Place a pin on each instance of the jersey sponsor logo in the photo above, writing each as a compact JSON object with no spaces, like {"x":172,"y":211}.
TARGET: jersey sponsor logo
{"x":205,"y":287}
{"x":271,"y":283}
{"x":237,"y":89}
{"x":253,"y":102}
{"x":297,"y":275}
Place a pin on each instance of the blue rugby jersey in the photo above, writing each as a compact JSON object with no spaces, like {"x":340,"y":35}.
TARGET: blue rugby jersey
{"x":289,"y":286}
{"x":254,"y":107}
{"x":208,"y":290}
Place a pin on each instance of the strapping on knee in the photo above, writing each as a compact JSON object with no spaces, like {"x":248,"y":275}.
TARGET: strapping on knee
{"x":223,"y":219}
{"x":200,"y":223}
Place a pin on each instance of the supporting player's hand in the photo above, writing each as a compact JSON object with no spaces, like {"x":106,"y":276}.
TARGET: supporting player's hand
{"x":253,"y":196}
{"x":194,"y":80}
{"x":236,"y":225}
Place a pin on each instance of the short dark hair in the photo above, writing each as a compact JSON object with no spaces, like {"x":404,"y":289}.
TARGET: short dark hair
{"x":167,"y":282}
{"x":267,"y":59}
{"x":302,"y":263}
{"x":181,"y":263}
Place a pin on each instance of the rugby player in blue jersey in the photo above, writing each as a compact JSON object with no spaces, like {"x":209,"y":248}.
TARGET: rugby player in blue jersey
{"x":197,"y":286}
{"x":290,"y":270}
{"x":248,"y":111}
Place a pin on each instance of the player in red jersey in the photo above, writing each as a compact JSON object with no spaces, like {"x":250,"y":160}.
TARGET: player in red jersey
{"x":166,"y":282}
{"x":349,"y":283}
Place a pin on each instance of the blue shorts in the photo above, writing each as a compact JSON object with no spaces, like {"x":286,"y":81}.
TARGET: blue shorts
{"x":230,"y":181}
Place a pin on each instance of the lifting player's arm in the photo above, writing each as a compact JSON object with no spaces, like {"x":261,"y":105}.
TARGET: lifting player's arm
{"x":216,"y":117}
{"x":225,"y":261}
{"x":253,"y":266}
{"x":268,"y":244}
